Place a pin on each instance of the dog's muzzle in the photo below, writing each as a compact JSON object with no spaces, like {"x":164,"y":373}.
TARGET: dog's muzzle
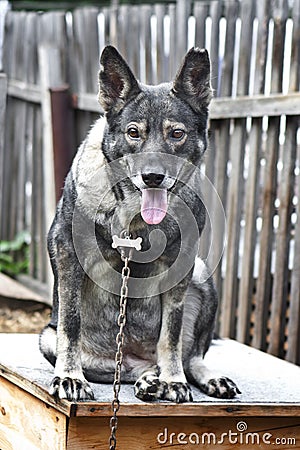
{"x":154,"y":188}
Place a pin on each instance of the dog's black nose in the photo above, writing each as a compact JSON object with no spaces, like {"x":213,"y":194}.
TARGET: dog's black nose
{"x":153,"y":179}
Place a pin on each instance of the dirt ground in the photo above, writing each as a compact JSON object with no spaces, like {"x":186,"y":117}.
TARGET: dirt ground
{"x":22,"y":316}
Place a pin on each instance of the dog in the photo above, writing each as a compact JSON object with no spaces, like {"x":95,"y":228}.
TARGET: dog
{"x":136,"y":171}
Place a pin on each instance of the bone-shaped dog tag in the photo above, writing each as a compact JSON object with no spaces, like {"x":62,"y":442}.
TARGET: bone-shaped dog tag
{"x":127,"y":242}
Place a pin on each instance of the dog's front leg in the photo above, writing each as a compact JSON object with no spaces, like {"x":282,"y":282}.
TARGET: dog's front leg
{"x":167,"y":381}
{"x":169,"y":348}
{"x":69,"y":381}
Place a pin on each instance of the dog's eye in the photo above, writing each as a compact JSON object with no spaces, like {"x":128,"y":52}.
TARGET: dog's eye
{"x":133,"y":133}
{"x":177,"y":134}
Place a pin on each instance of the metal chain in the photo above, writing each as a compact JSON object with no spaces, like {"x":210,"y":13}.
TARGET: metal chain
{"x":119,"y":353}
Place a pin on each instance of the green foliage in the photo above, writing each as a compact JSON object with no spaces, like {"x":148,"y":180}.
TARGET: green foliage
{"x":14,"y":255}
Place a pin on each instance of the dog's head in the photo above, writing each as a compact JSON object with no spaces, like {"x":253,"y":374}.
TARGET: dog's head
{"x":148,"y":123}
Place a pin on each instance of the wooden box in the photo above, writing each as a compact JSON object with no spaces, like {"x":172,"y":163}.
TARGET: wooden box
{"x":264,"y":416}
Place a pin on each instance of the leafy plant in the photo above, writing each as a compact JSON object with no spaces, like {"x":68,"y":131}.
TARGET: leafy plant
{"x":14,"y":255}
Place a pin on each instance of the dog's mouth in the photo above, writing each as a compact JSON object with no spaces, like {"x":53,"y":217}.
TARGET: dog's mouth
{"x":154,"y":205}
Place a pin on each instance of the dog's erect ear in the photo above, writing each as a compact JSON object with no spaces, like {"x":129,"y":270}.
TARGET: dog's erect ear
{"x":117,"y":83}
{"x":192,"y":82}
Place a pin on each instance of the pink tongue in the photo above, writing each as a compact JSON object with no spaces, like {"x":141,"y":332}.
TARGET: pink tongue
{"x":154,"y":205}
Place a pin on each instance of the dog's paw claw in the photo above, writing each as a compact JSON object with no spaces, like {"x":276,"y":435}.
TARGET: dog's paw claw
{"x":221,"y":388}
{"x":71,"y":389}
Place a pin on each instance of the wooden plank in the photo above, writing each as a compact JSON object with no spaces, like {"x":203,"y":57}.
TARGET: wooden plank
{"x":3,"y":93}
{"x":178,"y":433}
{"x":264,"y":286}
{"x":246,"y":285}
{"x":26,"y":422}
{"x":234,"y":202}
{"x":159,"y":409}
{"x":159,"y":11}
{"x":200,"y":13}
{"x":7,"y":41}
{"x":85,"y":63}
{"x":245,"y":294}
{"x":263,"y":290}
{"x":255,"y":106}
{"x":215,"y":12}
{"x":145,"y":44}
{"x":208,"y":250}
{"x":225,"y":149}
{"x":295,"y":53}
{"x":172,"y":58}
{"x":24,"y":91}
{"x":123,"y":13}
{"x":7,"y":156}
{"x":30,"y":371}
{"x":293,"y":351}
{"x":279,"y":291}
{"x":38,"y":247}
{"x":30,"y":77}
{"x":231,"y":14}
{"x":86,"y":37}
{"x":113,"y":30}
{"x":246,"y":247}
{"x":220,"y":108}
{"x":183,"y":10}
{"x":50,"y":73}
{"x":10,"y":288}
{"x":242,"y":88}
{"x":245,"y":47}
{"x":282,"y":242}
{"x":261,"y":9}
{"x":253,"y":206}
{"x":132,"y":51}
{"x":220,"y":140}
{"x":15,"y":139}
{"x":52,"y":32}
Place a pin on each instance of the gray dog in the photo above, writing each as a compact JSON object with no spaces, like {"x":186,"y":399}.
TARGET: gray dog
{"x":136,"y":171}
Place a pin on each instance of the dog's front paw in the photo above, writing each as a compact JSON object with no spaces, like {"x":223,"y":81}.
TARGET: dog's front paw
{"x":221,"y":388}
{"x":71,"y":389}
{"x":150,"y":388}
{"x":178,"y":392}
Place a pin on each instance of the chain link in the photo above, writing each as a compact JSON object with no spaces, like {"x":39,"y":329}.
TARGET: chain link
{"x":119,"y":353}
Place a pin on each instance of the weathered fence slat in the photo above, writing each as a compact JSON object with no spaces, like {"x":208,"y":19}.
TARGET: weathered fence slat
{"x":215,"y":15}
{"x":231,"y":14}
{"x":3,"y":94}
{"x":50,"y":76}
{"x":200,"y":14}
{"x":266,"y":236}
{"x":245,"y":293}
{"x":234,"y":209}
{"x":282,"y":242}
{"x":293,"y":327}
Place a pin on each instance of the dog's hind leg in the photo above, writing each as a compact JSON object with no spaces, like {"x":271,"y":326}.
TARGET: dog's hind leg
{"x":199,"y":321}
{"x":210,"y":383}
{"x":47,"y":343}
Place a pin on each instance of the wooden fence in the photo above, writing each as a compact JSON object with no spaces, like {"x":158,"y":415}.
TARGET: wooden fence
{"x":254,"y":155}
